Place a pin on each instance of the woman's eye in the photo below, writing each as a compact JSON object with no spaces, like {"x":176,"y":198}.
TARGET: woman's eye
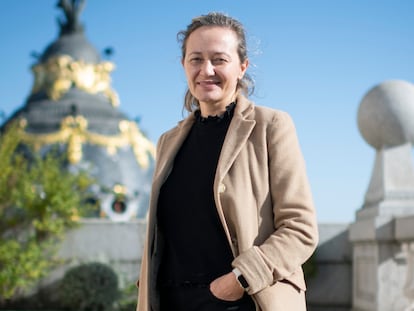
{"x":218,"y":61}
{"x":196,"y":60}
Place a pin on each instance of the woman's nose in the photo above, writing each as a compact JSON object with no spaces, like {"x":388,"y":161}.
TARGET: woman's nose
{"x":208,"y":68}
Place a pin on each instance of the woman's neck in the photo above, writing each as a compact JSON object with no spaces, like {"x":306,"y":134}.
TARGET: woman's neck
{"x":214,"y":109}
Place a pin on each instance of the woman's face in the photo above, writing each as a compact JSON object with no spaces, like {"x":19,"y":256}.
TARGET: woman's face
{"x":213,"y":68}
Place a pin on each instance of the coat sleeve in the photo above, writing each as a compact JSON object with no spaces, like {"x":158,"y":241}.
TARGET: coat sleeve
{"x":295,"y":236}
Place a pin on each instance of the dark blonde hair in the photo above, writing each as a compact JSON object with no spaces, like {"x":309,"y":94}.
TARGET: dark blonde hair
{"x":245,"y":85}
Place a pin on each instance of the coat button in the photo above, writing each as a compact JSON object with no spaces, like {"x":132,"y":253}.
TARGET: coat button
{"x":221,"y":188}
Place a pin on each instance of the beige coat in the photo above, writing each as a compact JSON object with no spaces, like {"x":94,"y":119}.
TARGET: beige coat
{"x":264,"y":202}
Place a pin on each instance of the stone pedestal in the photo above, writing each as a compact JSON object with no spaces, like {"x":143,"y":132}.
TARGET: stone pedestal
{"x":391,"y":189}
{"x":379,"y":262}
{"x":378,"y":271}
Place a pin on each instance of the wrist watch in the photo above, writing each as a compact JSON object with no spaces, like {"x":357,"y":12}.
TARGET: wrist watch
{"x":242,"y":281}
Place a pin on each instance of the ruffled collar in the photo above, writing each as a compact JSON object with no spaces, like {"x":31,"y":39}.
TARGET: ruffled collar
{"x":216,"y":118}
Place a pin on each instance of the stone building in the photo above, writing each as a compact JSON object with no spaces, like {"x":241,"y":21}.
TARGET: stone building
{"x":73,"y":107}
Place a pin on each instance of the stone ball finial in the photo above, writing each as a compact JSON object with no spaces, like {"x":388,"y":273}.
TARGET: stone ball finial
{"x":386,"y":114}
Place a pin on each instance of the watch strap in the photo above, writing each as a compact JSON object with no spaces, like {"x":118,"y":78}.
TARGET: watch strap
{"x":240,"y":278}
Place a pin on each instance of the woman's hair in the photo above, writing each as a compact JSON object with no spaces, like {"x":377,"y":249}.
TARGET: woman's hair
{"x":245,"y":85}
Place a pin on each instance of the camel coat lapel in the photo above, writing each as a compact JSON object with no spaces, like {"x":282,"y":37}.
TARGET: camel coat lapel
{"x":238,"y":133}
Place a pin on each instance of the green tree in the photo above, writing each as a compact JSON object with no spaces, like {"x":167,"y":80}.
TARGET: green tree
{"x":39,"y":201}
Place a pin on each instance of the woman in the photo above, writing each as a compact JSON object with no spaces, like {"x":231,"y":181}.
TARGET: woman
{"x":231,"y":217}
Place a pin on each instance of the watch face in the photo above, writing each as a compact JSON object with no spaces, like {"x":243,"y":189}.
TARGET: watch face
{"x":243,"y":281}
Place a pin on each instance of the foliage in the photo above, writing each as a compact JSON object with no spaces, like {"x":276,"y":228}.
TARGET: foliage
{"x":128,"y":298}
{"x":39,"y":201}
{"x":92,"y":287}
{"x":310,"y":267}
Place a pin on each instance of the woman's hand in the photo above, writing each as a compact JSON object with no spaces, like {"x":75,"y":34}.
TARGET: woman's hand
{"x":227,"y":287}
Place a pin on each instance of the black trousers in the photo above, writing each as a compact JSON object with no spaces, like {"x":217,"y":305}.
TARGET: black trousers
{"x":200,"y":298}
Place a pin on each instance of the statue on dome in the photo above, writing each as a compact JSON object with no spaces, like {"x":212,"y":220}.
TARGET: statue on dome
{"x":72,"y":10}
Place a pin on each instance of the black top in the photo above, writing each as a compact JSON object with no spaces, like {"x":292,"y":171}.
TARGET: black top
{"x":196,"y":247}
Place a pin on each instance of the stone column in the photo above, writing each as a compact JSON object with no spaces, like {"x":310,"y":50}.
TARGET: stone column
{"x":386,"y":121}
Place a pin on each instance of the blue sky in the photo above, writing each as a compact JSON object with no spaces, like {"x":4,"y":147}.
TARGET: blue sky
{"x":314,"y":59}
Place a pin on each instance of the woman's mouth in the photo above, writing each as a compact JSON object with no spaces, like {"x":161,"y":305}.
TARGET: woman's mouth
{"x":208,"y":83}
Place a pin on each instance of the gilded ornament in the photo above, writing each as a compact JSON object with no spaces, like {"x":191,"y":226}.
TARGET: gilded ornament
{"x":58,"y":74}
{"x":74,"y":132}
{"x":119,"y":189}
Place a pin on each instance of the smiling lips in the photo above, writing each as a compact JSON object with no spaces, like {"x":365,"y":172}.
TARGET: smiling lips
{"x":208,"y":83}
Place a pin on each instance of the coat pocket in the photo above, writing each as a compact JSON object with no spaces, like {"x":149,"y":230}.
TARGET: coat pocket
{"x":281,"y":296}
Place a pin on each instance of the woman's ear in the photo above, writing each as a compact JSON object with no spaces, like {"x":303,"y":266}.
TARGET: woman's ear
{"x":243,"y":68}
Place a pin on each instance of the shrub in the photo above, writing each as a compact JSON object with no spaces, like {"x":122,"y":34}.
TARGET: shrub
{"x":39,"y":202}
{"x":92,"y":287}
{"x":128,"y":298}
